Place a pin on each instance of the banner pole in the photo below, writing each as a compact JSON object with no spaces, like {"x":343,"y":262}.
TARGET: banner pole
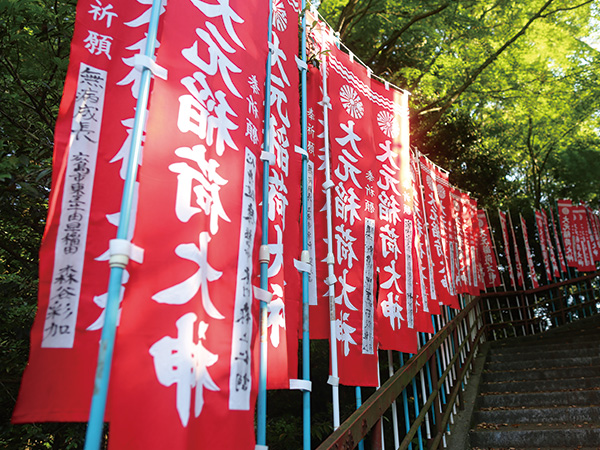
{"x":542,"y":232}
{"x":305,"y":257}
{"x":264,"y":253}
{"x":95,"y":426}
{"x":394,"y":407}
{"x":358,"y":395}
{"x":335,"y":389}
{"x":424,"y":392}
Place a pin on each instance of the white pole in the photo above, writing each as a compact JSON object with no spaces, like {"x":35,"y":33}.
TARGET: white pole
{"x":394,"y":407}
{"x":334,"y":379}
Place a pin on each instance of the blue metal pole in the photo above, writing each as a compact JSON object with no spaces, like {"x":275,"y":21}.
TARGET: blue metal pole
{"x":429,"y":383}
{"x":95,"y":427}
{"x":416,"y":396}
{"x":439,"y":364}
{"x":405,"y":402}
{"x":305,"y":255}
{"x":358,"y":393}
{"x":264,"y":255}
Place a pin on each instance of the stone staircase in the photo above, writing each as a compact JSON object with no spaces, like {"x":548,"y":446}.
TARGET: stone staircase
{"x":541,"y":391}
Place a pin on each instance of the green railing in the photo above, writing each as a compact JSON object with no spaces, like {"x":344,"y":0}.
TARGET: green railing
{"x":443,"y":364}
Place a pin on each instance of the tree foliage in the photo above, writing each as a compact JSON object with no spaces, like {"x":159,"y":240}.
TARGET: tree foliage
{"x":34,"y":48}
{"x":499,"y":87}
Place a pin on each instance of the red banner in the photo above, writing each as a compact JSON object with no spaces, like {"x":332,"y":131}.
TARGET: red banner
{"x":583,"y":240}
{"x":470,"y":231}
{"x":487,"y":254}
{"x":424,"y":306}
{"x":594,"y":233}
{"x":395,"y":249}
{"x":539,"y":221}
{"x":183,"y":360}
{"x":560,"y":254}
{"x":92,"y":141}
{"x":565,"y":217}
{"x":532,"y":273}
{"x":427,"y":278}
{"x":505,"y":239}
{"x":319,"y":168}
{"x":550,"y":246}
{"x":436,"y":190}
{"x":518,"y":265}
{"x":457,"y":242}
{"x":354,"y":202}
{"x":284,"y":315}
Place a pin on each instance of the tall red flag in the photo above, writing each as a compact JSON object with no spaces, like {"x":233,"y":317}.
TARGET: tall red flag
{"x":395,"y":250}
{"x":427,"y":278}
{"x":505,"y":239}
{"x":595,"y":234}
{"x":532,"y":273}
{"x":487,"y":255}
{"x":284,"y":200}
{"x":539,"y":221}
{"x":424,"y":306}
{"x":354,"y":199}
{"x":437,"y":208}
{"x":567,"y":231}
{"x":319,"y":165}
{"x":550,"y":246}
{"x":583,"y":240}
{"x":457,"y":242}
{"x":559,"y":251}
{"x":518,"y":265}
{"x":182,"y":374}
{"x":92,"y":142}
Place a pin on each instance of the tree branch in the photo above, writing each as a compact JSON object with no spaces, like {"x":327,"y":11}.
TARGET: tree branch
{"x":452,"y":97}
{"x":384,"y":48}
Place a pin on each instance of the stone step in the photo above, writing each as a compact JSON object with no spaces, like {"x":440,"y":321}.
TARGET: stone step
{"x":576,"y":352}
{"x":537,"y":399}
{"x":541,"y":374}
{"x":582,"y":361}
{"x":560,"y":344}
{"x":541,"y":385}
{"x":571,"y":435}
{"x":538,"y":415}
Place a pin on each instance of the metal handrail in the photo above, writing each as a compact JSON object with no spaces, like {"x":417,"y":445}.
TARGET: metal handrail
{"x":477,"y":321}
{"x":358,"y":425}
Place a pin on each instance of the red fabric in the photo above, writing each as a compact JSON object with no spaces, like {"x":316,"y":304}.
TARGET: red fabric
{"x":583,"y":239}
{"x":550,"y":246}
{"x":567,"y":231}
{"x":182,"y":375}
{"x":458,"y":240}
{"x":429,"y":295}
{"x":470,"y":230}
{"x":539,"y":221}
{"x":518,"y":265}
{"x":395,"y":250}
{"x":285,"y":239}
{"x":319,"y":309}
{"x":58,"y":382}
{"x":532,"y":273}
{"x":487,"y":253}
{"x":595,"y":233}
{"x":438,"y":210}
{"x":424,"y":307}
{"x":560,"y":254}
{"x":353,"y":219}
{"x":505,"y":239}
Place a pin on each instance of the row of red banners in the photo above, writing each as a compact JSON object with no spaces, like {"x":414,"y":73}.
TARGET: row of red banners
{"x":405,"y":242}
